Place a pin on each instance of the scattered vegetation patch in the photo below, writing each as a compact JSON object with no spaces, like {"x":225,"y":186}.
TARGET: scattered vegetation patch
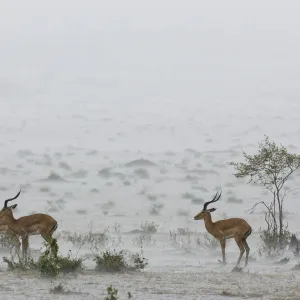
{"x":112,"y":293}
{"x":149,"y":227}
{"x":93,"y":240}
{"x":269,"y":242}
{"x":60,"y":290}
{"x":208,"y":242}
{"x":271,"y":167}
{"x":49,"y":264}
{"x":5,"y":242}
{"x":181,"y":240}
{"x":118,"y":261}
{"x":142,"y":240}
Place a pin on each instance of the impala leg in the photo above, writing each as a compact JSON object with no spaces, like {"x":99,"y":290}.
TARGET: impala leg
{"x":247,"y":251}
{"x":47,"y":238}
{"x":15,"y":243}
{"x":25,"y":245}
{"x":47,"y":234}
{"x":223,"y":246}
{"x":242,"y":249}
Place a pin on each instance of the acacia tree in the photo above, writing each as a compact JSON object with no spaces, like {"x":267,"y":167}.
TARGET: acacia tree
{"x":271,"y":167}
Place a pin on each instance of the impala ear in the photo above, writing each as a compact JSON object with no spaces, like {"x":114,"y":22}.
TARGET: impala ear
{"x":13,"y":206}
{"x":212,"y":209}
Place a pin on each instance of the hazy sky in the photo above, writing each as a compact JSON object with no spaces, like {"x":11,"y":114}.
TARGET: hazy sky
{"x":203,"y":52}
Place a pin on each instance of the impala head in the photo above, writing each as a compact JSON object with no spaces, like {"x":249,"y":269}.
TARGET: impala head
{"x":5,"y":207}
{"x":205,"y":210}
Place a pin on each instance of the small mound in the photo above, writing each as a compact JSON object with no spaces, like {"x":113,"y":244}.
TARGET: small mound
{"x":53,"y":177}
{"x":140,"y":163}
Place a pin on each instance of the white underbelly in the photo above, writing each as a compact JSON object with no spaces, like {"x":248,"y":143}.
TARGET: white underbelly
{"x":227,"y":237}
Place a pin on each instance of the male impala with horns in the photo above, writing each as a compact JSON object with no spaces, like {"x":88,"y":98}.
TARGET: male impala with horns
{"x":222,"y":230}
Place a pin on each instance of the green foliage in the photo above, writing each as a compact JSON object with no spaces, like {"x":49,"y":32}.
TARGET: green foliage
{"x":20,"y":265}
{"x":112,"y":293}
{"x":49,"y":263}
{"x":270,"y":246}
{"x":271,"y":167}
{"x":113,"y":261}
{"x":149,"y":227}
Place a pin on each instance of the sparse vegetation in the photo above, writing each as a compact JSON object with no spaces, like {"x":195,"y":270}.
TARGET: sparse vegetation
{"x":118,"y":261}
{"x":60,"y":289}
{"x":49,"y":263}
{"x":271,"y":168}
{"x":112,"y":293}
{"x":149,"y":227}
{"x":142,"y":240}
{"x":208,"y":242}
{"x":269,"y":243}
{"x":5,"y":242}
{"x":93,"y":240}
{"x":181,"y":238}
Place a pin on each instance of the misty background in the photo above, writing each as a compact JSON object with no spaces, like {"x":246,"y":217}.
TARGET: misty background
{"x":209,"y":70}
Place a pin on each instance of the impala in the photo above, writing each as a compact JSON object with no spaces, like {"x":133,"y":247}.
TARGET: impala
{"x":35,"y":224}
{"x":222,"y":230}
{"x":14,"y":239}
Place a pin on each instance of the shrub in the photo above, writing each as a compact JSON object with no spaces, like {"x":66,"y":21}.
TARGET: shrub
{"x":208,"y":242}
{"x":93,"y":239}
{"x":144,"y":240}
{"x":113,"y":261}
{"x":270,"y":245}
{"x":149,"y":227}
{"x":49,"y":263}
{"x":181,"y":238}
{"x":112,"y":293}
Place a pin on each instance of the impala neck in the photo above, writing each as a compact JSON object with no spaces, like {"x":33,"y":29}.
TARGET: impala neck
{"x":9,"y":213}
{"x":209,"y":225}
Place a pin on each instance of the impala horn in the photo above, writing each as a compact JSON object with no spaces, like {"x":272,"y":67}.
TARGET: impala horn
{"x":10,"y":199}
{"x":215,"y":199}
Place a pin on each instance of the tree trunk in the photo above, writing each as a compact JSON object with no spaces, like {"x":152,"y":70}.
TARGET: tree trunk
{"x":280,"y":219}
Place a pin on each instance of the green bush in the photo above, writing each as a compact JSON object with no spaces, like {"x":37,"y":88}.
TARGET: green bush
{"x":113,"y":261}
{"x":49,"y":263}
{"x":270,"y":242}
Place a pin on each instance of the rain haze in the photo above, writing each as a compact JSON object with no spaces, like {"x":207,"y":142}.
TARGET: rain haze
{"x":119,"y":118}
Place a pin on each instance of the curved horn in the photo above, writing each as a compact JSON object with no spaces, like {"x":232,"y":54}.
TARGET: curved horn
{"x":215,"y":199}
{"x":10,"y":199}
